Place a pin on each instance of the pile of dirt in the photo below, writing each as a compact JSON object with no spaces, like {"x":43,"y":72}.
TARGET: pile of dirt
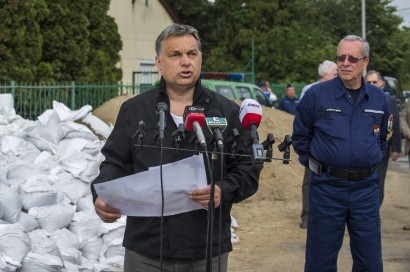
{"x":109,"y":110}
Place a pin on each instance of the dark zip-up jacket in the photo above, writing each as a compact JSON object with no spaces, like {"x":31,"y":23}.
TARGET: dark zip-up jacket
{"x":184,"y":235}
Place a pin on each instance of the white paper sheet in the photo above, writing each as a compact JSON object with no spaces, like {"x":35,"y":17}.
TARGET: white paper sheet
{"x":140,"y":194}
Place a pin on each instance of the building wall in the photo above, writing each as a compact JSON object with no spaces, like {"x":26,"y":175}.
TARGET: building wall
{"x":139,"y":25}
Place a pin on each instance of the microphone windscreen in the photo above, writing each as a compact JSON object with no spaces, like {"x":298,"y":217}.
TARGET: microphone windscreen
{"x":193,"y":114}
{"x":250,"y":113}
{"x":162,"y":106}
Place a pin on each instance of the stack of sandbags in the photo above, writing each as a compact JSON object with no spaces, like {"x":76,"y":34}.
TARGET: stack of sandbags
{"x":47,"y":218}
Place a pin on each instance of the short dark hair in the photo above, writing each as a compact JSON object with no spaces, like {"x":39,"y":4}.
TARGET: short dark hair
{"x":176,"y":30}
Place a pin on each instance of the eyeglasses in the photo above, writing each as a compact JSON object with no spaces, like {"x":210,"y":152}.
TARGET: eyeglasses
{"x":350,"y":58}
{"x":372,"y":82}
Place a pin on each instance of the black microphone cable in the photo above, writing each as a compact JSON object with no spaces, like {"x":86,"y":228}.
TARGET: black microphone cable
{"x":162,"y":205}
{"x":220,"y":209}
{"x":211,"y":210}
{"x":162,"y":108}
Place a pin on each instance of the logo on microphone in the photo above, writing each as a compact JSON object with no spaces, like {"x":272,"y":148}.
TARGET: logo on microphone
{"x":253,"y":105}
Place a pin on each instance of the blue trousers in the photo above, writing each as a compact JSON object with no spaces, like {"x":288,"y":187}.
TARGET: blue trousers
{"x":335,"y":203}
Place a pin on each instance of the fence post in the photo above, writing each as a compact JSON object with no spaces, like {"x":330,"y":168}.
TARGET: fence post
{"x":72,"y":95}
{"x":13,"y":89}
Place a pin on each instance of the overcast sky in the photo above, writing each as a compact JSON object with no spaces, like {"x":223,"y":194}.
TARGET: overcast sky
{"x":403,"y":10}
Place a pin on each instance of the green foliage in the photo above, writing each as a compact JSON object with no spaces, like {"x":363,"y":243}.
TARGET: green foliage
{"x":291,"y":38}
{"x":54,"y":41}
{"x":20,"y":40}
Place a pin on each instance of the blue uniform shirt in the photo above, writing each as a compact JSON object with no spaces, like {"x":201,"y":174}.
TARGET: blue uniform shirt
{"x":335,"y":130}
{"x":288,"y":104}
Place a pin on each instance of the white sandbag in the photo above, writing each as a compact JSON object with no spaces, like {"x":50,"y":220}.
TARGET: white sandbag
{"x":82,"y":166}
{"x":14,"y":242}
{"x":53,"y":217}
{"x":20,"y":170}
{"x":111,"y":231}
{"x":66,"y":114}
{"x":7,"y":110}
{"x":74,"y":130}
{"x":113,"y":264}
{"x":91,"y":248}
{"x":86,"y":265}
{"x":99,"y":126}
{"x":85,"y":225}
{"x":11,"y":202}
{"x":46,"y":160}
{"x":12,"y":145}
{"x":7,"y":264}
{"x":64,"y":238}
{"x":40,"y":262}
{"x":28,"y":222}
{"x":16,"y":125}
{"x":74,"y":189}
{"x":41,"y":243}
{"x":72,"y":255}
{"x":112,"y":248}
{"x":70,"y":267}
{"x":44,"y":137}
{"x":85,"y":203}
{"x":1,"y":210}
{"x":37,"y":191}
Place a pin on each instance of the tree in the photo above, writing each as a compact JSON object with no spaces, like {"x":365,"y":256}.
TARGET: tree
{"x":293,"y":37}
{"x":20,"y":40}
{"x":54,"y":41}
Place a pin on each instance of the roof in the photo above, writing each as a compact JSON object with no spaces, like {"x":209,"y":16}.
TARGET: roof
{"x":170,"y":11}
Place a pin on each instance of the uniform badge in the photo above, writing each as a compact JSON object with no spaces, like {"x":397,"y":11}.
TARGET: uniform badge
{"x":389,"y":135}
{"x":390,"y":123}
{"x":376,"y":130}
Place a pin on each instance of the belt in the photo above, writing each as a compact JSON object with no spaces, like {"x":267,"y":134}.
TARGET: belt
{"x":349,"y":174}
{"x":355,"y":174}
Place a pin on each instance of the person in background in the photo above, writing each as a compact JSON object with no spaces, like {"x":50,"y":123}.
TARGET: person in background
{"x":405,"y":130}
{"x":289,"y":102}
{"x":264,"y":85}
{"x":393,"y":148}
{"x":339,"y":132}
{"x":327,"y":70}
{"x":184,"y":235}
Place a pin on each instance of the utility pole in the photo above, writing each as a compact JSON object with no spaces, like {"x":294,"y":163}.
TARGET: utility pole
{"x":364,"y":25}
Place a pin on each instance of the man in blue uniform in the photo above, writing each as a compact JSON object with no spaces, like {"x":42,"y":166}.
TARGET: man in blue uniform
{"x":339,"y":131}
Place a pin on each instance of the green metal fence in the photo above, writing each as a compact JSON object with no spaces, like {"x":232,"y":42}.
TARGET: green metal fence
{"x":32,"y":99}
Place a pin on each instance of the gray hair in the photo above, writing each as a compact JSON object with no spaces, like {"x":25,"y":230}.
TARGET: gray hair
{"x":371,"y":72}
{"x":176,"y":30}
{"x":365,"y":44}
{"x":325,"y":67}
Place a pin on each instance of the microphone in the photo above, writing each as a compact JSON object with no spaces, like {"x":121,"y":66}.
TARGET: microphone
{"x":162,"y":108}
{"x":194,"y":120}
{"x":216,"y":125}
{"x":250,"y":115}
{"x":179,"y":136}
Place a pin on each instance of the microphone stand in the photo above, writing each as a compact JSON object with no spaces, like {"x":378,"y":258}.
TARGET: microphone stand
{"x":285,"y":147}
{"x":267,"y":145}
{"x":179,"y":136}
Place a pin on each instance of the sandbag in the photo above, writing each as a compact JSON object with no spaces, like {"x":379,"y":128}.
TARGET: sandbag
{"x":53,"y":217}
{"x":11,"y":202}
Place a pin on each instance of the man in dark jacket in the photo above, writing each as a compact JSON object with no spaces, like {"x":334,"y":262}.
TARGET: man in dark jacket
{"x":180,"y":240}
{"x":394,"y":145}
